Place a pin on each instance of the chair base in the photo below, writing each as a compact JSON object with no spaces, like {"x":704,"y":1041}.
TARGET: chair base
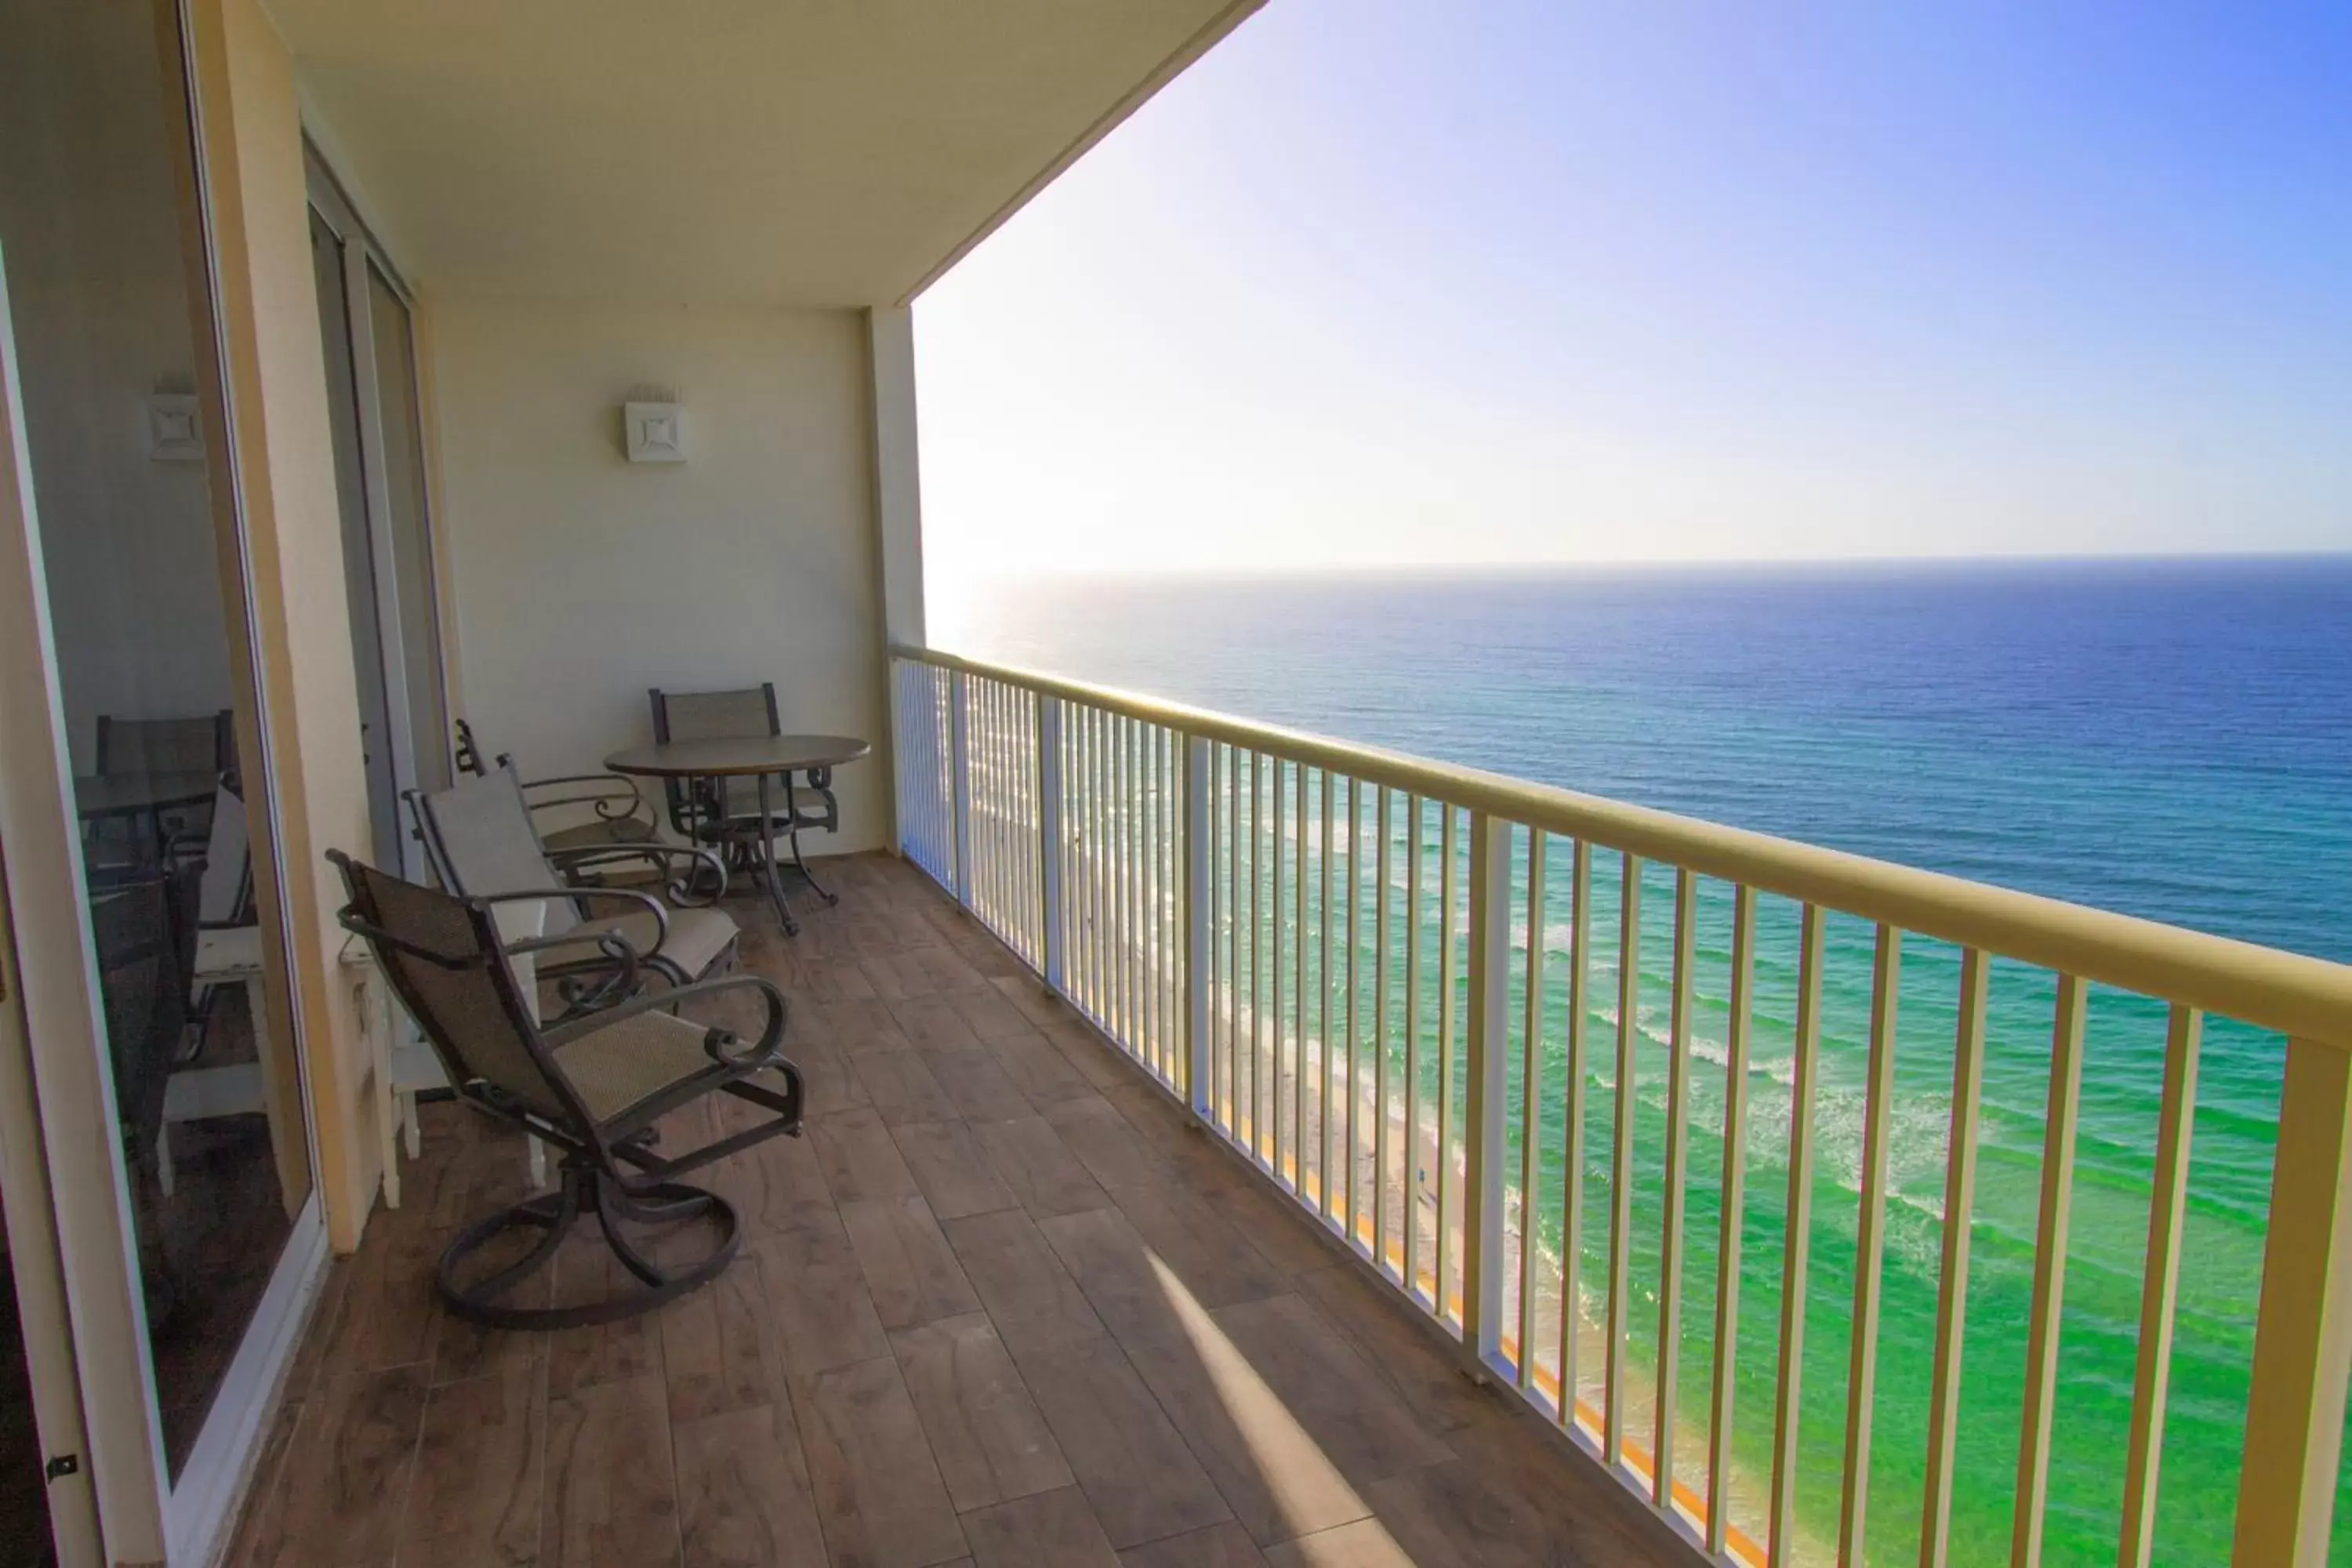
{"x":583,"y":1191}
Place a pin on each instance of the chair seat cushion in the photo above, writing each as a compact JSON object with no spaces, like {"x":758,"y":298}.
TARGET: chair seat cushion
{"x":590,"y":835}
{"x":699,"y":937}
{"x":627,"y":1063}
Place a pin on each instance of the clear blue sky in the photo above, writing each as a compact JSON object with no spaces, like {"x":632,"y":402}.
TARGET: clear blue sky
{"x":1382,"y":283}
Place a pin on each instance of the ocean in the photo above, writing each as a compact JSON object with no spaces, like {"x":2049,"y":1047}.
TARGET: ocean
{"x":2171,"y":739}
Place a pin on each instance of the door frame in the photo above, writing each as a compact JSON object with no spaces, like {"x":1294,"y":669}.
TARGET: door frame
{"x":43,"y":1310}
{"x":142,"y":1515}
{"x":331,"y":202}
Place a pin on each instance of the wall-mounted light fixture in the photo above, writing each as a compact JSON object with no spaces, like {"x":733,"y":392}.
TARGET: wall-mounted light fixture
{"x":170,"y":427}
{"x":653,"y":426}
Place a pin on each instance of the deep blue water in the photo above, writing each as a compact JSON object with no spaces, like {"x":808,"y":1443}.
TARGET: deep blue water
{"x":2171,"y":739}
{"x":2168,"y":739}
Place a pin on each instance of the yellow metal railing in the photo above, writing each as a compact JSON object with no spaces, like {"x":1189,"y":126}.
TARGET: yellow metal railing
{"x":1223,"y":898}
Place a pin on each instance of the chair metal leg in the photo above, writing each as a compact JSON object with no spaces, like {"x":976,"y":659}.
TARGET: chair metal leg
{"x":582,"y":1192}
{"x":808,"y":876}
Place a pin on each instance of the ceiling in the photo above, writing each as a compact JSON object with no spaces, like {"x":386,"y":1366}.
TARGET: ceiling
{"x":825,"y":152}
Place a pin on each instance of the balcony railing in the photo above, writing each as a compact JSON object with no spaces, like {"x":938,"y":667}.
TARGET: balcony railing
{"x":1413,"y":994}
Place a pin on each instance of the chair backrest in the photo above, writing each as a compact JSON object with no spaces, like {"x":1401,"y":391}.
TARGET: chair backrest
{"x":204,"y":743}
{"x":478,"y":834}
{"x":443,"y":958}
{"x":224,"y":897}
{"x":145,"y":936}
{"x":714,"y":716}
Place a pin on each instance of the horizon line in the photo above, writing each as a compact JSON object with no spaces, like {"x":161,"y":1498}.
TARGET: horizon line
{"x":1563,"y":566}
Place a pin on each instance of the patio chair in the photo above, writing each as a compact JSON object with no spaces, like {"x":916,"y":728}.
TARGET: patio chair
{"x":222,"y":859}
{"x":595,"y":1090}
{"x":621,"y":816}
{"x":144,"y":934}
{"x":479,"y":836}
{"x":200,"y":744}
{"x":726,"y":812}
{"x":204,"y":743}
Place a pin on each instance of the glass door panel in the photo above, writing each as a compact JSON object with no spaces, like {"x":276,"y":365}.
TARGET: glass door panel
{"x":410,"y":536}
{"x":143,"y":585}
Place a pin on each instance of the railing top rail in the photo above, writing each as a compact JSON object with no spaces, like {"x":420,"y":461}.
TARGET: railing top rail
{"x":2295,"y":994}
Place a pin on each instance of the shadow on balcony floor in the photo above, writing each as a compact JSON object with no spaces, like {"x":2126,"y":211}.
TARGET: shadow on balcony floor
{"x":999,"y":1306}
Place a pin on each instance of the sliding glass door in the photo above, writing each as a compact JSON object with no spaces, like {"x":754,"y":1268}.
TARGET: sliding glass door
{"x":134,"y":786}
{"x":365,"y":328}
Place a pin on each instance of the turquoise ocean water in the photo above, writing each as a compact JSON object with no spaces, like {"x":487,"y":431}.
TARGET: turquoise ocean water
{"x":2170,"y":740}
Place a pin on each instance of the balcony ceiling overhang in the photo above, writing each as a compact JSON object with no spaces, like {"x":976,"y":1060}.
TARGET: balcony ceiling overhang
{"x":821,"y":152}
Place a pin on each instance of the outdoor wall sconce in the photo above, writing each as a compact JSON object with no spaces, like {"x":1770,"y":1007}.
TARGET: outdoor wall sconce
{"x":654,"y":430}
{"x":170,"y":427}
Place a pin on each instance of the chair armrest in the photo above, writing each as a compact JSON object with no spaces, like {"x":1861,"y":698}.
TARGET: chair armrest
{"x":599,"y":790}
{"x":681,"y":891}
{"x":771,"y":1036}
{"x":610,"y":895}
{"x":618,"y":949}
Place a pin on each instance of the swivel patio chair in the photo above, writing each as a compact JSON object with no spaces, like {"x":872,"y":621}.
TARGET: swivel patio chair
{"x":480,"y":838}
{"x":595,"y":1090}
{"x":726,"y":812}
{"x":621,"y":815}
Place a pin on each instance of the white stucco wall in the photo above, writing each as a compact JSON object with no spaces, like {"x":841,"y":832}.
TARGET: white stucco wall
{"x":581,"y":579}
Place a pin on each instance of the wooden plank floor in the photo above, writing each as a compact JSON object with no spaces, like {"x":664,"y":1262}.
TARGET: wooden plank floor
{"x":1000,"y":1305}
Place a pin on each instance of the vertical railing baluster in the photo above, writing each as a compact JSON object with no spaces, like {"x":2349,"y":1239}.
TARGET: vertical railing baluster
{"x":1669,"y":1243}
{"x":1734,"y":1206}
{"x":1797,"y":1259}
{"x":1278,"y":821}
{"x":1383,"y":868}
{"x":1199,"y":914}
{"x":1952,"y":1287}
{"x":1412,"y":1175}
{"x":959,"y":777}
{"x":1353,"y":1023}
{"x":1870,"y":1245}
{"x":2049,"y":1271}
{"x":2168,"y":1207}
{"x":1257,"y":945}
{"x":1571,"y":1224}
{"x":1488,"y":1044}
{"x":1323,"y":1006}
{"x":1448,"y":1180}
{"x":1236,"y":1075}
{"x":1621,"y":1195}
{"x":1531,"y":1106}
{"x":1232,"y":943}
{"x":2302,"y":1330}
{"x":1097,"y":819}
{"x":1298,"y":1070}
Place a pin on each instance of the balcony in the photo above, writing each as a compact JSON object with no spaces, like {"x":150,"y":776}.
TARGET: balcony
{"x":1000,"y":1304}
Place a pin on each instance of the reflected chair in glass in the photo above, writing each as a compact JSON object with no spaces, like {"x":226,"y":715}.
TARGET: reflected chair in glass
{"x":223,"y":859}
{"x":594,"y":1089}
{"x":480,"y":840}
{"x":144,"y":933}
{"x":198,"y":743}
{"x":201,"y":744}
{"x":621,"y":813}
{"x":725,"y":812}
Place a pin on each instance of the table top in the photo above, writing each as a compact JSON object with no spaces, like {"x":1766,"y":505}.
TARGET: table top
{"x":739,"y":755}
{"x":117,"y":795}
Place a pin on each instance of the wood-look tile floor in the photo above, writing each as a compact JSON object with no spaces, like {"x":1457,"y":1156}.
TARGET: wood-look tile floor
{"x":999,"y":1306}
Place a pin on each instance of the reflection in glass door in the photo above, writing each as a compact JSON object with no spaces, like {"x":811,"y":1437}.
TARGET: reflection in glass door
{"x":141,"y":586}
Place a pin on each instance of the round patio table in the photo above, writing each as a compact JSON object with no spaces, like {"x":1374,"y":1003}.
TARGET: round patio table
{"x":761,"y":758}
